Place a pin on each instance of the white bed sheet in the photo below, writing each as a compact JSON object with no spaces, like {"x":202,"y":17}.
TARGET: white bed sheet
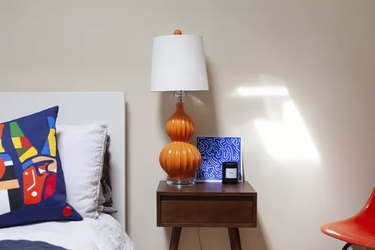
{"x":91,"y":234}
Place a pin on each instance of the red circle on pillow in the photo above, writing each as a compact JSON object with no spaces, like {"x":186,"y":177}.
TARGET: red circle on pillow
{"x":2,"y":167}
{"x":67,"y":211}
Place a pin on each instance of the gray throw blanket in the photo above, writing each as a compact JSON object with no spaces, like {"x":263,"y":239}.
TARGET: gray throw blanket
{"x":27,"y":245}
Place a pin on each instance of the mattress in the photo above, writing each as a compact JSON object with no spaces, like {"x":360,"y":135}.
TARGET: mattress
{"x":91,"y":234}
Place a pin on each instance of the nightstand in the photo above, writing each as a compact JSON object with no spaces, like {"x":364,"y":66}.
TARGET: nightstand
{"x":206,"y":205}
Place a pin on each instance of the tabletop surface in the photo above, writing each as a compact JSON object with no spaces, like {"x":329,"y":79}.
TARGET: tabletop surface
{"x":207,"y":188}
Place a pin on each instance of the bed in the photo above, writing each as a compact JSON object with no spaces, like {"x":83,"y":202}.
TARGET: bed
{"x":89,"y":134}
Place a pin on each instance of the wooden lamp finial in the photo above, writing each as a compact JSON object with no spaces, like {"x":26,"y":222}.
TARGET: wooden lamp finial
{"x":177,"y":32}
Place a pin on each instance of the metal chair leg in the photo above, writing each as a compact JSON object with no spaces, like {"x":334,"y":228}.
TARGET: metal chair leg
{"x":347,"y":245}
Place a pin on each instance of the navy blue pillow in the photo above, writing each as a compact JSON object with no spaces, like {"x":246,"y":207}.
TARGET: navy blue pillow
{"x":32,"y":187}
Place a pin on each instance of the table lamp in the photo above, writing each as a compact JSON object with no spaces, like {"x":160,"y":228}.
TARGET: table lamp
{"x":178,"y":65}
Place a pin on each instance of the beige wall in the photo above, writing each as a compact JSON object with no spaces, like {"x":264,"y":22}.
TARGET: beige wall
{"x":321,"y":52}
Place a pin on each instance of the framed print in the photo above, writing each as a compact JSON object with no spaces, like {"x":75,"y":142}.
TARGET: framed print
{"x":214,"y":151}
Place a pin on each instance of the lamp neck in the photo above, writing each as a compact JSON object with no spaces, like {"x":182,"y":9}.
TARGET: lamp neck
{"x":179,"y":96}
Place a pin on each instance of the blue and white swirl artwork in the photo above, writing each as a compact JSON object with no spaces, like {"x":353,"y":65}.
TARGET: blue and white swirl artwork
{"x":215,"y":151}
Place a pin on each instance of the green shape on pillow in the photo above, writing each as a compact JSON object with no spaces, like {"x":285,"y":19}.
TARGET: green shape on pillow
{"x":15,"y":130}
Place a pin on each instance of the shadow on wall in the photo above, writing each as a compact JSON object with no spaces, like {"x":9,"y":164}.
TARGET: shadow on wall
{"x":360,"y":248}
{"x":279,"y":126}
{"x":218,"y":238}
{"x":253,"y":238}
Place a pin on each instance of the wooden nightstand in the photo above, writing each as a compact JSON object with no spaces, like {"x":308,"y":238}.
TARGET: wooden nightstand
{"x":207,"y":205}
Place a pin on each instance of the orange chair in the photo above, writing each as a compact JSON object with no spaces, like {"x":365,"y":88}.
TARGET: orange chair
{"x":356,"y":230}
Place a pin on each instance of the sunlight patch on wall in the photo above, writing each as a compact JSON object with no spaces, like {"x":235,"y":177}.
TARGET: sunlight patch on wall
{"x":262,"y":91}
{"x":287,"y":140}
{"x":284,"y":135}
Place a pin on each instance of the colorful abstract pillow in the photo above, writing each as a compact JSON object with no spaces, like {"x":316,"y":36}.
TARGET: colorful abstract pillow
{"x":32,"y":187}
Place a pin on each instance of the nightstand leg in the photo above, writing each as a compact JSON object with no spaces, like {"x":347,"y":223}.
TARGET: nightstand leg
{"x":234,"y":237}
{"x":175,"y":238}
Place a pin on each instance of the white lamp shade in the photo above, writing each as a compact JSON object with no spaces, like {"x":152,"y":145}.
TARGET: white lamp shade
{"x":178,"y":63}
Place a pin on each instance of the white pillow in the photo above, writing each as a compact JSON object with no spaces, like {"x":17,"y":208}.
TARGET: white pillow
{"x":82,"y":148}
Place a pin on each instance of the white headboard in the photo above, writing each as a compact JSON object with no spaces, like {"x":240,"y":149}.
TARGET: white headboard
{"x":78,"y":107}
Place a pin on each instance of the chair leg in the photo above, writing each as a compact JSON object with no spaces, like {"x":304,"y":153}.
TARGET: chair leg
{"x":347,"y":245}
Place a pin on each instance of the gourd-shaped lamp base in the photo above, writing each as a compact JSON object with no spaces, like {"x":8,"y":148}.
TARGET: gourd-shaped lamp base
{"x":180,"y":159}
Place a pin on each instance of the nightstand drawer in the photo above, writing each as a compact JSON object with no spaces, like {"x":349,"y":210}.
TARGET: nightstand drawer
{"x":207,"y":211}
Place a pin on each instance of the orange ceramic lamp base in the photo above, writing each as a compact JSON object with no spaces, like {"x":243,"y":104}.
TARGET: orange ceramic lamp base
{"x":180,"y":159}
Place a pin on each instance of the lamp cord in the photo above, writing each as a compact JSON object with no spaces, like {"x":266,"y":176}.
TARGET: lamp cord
{"x":200,"y":240}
